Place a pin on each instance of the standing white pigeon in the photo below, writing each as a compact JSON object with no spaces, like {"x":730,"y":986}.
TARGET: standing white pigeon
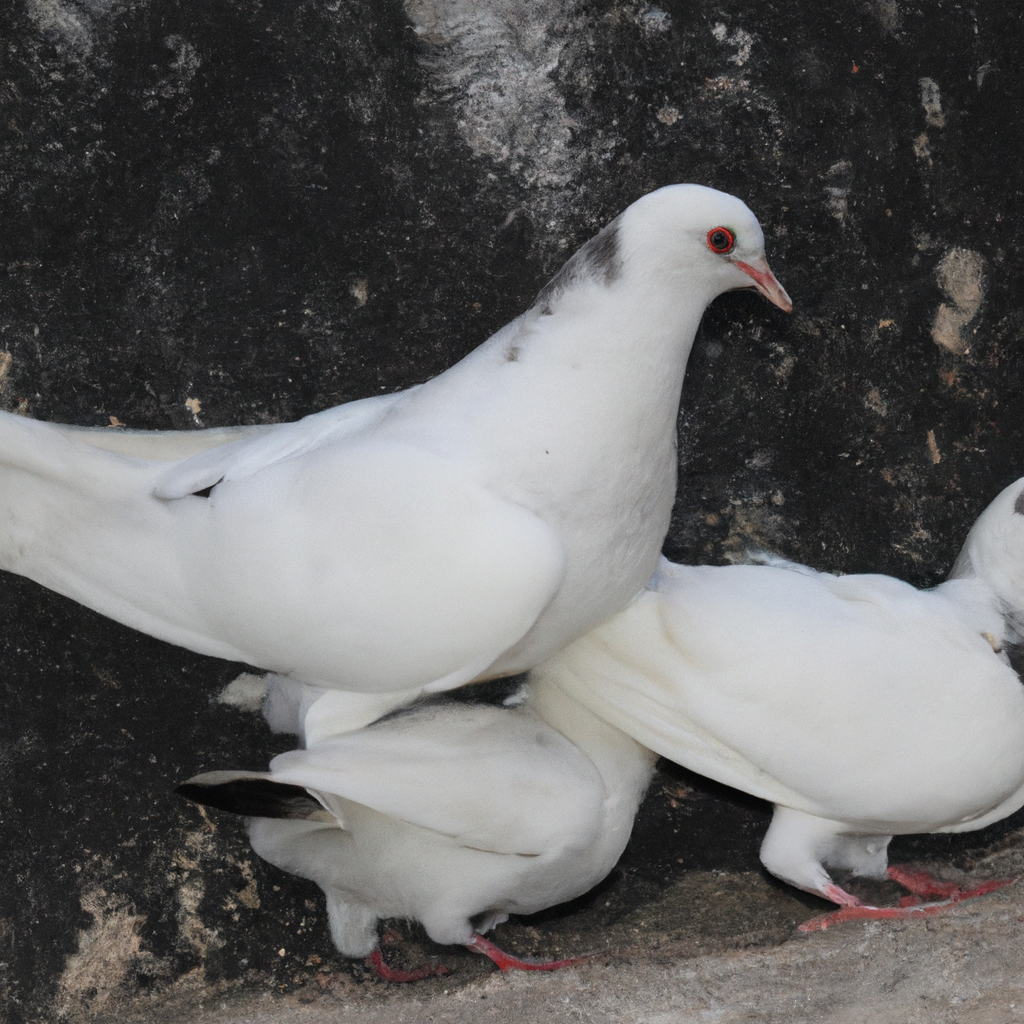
{"x":447,"y":813}
{"x":858,"y":705}
{"x":466,"y":528}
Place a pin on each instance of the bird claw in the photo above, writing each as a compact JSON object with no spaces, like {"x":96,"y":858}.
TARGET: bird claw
{"x":507,"y":962}
{"x":376,"y":963}
{"x":922,"y":886}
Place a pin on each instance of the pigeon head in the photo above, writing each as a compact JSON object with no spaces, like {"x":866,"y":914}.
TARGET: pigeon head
{"x":681,"y":239}
{"x":994,"y":550}
{"x":699,"y":236}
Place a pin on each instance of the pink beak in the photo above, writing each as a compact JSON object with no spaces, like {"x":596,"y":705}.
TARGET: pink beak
{"x":765,"y":283}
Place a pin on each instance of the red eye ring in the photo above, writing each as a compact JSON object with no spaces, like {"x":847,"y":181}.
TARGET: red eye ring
{"x":721,"y":240}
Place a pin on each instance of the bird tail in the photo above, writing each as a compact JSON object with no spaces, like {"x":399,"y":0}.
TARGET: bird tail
{"x":254,"y":795}
{"x":79,"y":517}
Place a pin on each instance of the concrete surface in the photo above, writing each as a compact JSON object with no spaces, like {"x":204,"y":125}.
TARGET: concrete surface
{"x":964,"y":967}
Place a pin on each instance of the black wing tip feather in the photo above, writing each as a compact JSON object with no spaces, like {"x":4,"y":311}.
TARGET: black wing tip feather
{"x":253,"y":798}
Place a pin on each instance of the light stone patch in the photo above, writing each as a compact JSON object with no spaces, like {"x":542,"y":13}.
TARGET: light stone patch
{"x":245,"y":692}
{"x":961,"y":276}
{"x":494,"y":60}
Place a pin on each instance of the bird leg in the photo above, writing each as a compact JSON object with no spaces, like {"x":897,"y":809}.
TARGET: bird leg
{"x":927,"y":886}
{"x":922,"y":886}
{"x":376,"y":962}
{"x":506,"y":962}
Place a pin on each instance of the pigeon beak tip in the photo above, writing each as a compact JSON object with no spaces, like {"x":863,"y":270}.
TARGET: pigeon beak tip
{"x":766,"y":283}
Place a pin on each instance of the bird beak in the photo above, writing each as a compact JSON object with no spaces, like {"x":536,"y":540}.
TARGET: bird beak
{"x":765,"y":283}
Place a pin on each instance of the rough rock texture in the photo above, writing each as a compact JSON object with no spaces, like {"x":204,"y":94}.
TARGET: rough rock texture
{"x":213,"y":213}
{"x":964,"y":968}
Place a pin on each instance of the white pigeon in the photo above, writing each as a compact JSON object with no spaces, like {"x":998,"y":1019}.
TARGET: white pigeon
{"x":858,"y":705}
{"x":452,"y":814}
{"x":467,"y":528}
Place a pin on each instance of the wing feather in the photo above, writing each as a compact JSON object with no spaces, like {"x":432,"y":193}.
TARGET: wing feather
{"x":259,"y":448}
{"x":496,"y":779}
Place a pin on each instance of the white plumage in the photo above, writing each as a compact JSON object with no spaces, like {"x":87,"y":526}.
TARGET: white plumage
{"x":466,"y":528}
{"x":858,"y":705}
{"x":448,"y":813}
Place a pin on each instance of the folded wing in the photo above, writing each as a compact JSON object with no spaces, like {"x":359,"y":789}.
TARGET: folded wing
{"x":495,"y":779}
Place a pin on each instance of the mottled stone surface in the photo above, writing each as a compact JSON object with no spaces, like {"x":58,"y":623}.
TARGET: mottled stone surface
{"x":214,"y":213}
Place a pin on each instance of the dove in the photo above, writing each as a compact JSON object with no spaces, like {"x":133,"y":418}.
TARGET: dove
{"x":452,"y":813}
{"x":859,"y":706}
{"x":464,"y":529}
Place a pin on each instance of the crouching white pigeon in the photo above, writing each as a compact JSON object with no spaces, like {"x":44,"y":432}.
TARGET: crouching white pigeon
{"x":449,"y":813}
{"x":466,"y":528}
{"x":858,"y":705}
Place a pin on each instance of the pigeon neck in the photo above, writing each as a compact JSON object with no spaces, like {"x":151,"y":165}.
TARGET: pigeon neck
{"x":594,"y":382}
{"x":610,"y":358}
{"x":622,"y":330}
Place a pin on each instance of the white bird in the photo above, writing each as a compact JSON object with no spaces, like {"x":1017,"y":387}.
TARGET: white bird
{"x":449,"y":813}
{"x":466,"y":528}
{"x":858,"y":705}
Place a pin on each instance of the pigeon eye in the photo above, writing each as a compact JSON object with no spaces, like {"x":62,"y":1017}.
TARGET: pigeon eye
{"x":720,"y":240}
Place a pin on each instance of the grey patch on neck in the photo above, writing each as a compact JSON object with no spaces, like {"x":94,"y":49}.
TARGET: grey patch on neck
{"x":1018,"y":505}
{"x":599,"y":260}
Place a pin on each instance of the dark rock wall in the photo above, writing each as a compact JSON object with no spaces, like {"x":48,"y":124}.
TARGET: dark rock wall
{"x":214,"y":213}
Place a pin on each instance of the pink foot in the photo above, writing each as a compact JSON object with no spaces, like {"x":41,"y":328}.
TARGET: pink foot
{"x":920,"y":883}
{"x":381,"y":969}
{"x":927,"y":886}
{"x":511,"y":963}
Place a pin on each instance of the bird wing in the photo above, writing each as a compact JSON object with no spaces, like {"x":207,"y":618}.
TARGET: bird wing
{"x":314,"y":713}
{"x":260,"y":447}
{"x":323,"y":553}
{"x":159,"y":445}
{"x":218,"y":451}
{"x":839,"y":696}
{"x":495,"y":779}
{"x":621,"y":684}
{"x":370,"y":566}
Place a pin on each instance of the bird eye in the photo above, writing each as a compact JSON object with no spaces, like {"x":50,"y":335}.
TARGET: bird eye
{"x":720,"y":240}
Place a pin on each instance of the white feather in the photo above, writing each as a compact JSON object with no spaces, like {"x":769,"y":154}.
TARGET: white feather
{"x":858,"y":705}
{"x":455,"y":814}
{"x":468,"y":527}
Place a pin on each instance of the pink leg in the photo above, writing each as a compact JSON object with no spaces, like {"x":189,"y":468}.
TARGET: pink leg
{"x":920,"y":883}
{"x":381,"y":969}
{"x":511,"y":963}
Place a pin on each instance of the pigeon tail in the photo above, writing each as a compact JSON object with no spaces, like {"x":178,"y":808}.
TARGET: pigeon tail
{"x":74,"y":523}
